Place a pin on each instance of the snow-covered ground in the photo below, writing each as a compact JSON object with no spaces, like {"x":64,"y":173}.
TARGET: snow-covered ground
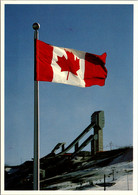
{"x":110,"y":171}
{"x":123,"y":183}
{"x":117,"y":177}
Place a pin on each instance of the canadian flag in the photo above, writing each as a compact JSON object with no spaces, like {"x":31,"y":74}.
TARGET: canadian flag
{"x":69,"y":66}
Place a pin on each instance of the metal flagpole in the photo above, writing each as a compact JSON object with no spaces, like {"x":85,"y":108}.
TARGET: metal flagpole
{"x":36,"y":178}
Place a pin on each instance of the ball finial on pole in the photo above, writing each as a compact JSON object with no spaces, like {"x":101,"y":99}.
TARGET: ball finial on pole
{"x":36,"y":26}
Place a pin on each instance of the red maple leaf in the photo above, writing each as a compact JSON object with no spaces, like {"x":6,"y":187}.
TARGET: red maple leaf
{"x":70,"y":64}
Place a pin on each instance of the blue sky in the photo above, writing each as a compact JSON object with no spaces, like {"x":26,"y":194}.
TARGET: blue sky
{"x":65,"y":111}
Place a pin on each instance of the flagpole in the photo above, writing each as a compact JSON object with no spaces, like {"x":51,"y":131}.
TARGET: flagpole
{"x":36,"y":176}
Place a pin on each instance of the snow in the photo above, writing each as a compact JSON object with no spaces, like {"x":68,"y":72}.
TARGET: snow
{"x":118,"y":177}
{"x":10,"y":170}
{"x":124,"y":183}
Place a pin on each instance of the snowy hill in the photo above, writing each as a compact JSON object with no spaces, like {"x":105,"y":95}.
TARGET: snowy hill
{"x":117,"y":177}
{"x":109,"y":170}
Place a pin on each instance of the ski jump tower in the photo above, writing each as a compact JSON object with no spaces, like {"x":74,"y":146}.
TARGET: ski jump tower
{"x":97,"y":143}
{"x":95,"y":139}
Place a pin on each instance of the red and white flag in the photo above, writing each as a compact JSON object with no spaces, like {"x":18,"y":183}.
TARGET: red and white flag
{"x":69,"y":66}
